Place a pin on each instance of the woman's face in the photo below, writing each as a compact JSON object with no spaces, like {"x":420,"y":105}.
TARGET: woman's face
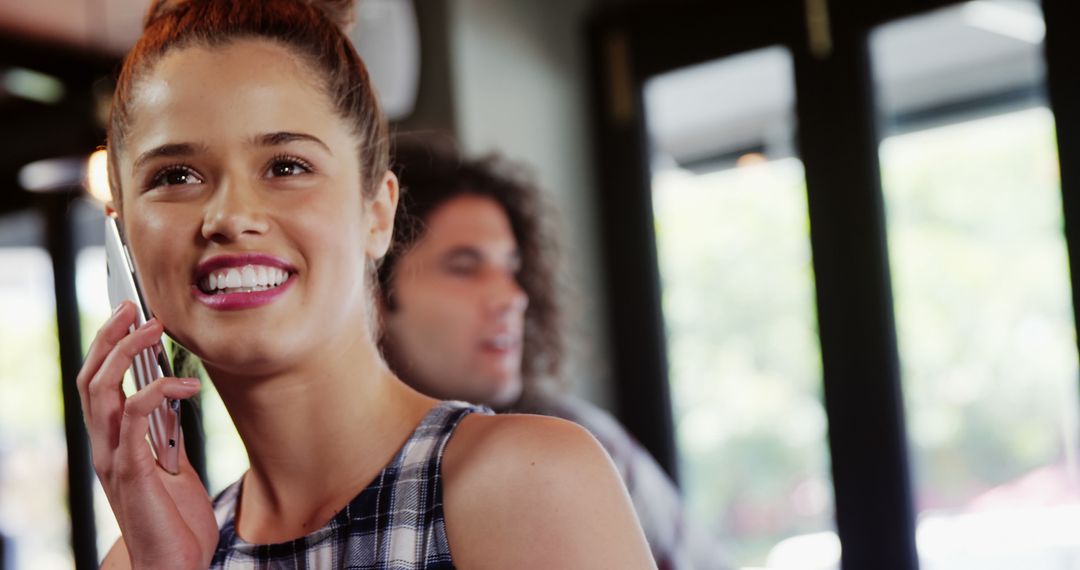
{"x":458,"y":318}
{"x":244,"y":210}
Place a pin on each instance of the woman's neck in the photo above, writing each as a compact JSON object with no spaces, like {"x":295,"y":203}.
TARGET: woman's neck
{"x":316,"y":435}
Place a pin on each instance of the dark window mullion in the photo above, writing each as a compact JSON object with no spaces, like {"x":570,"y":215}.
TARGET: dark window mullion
{"x":1063,"y":84}
{"x":632,"y":287}
{"x":860,"y":360}
{"x":62,"y":249}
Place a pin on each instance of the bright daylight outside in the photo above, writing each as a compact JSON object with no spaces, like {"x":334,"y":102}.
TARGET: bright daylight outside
{"x":987,"y":344}
{"x":987,"y":341}
{"x":33,"y":460}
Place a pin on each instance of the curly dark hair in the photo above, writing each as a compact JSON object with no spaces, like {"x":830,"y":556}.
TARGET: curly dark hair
{"x":432,"y":171}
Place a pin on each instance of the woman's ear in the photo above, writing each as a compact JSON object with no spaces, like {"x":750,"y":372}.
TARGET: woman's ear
{"x":383,"y":208}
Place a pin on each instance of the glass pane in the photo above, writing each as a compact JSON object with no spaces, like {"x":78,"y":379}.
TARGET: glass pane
{"x":92,"y":291}
{"x":226,"y":458}
{"x":33,"y":453}
{"x":732,"y":232}
{"x":981,"y":286}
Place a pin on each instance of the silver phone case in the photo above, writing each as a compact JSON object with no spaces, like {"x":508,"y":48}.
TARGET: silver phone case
{"x":152,"y":363}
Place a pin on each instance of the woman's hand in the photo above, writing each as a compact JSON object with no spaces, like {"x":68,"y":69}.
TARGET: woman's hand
{"x":166,"y":520}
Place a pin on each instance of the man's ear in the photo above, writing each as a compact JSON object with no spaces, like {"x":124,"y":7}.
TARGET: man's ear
{"x":383,"y":208}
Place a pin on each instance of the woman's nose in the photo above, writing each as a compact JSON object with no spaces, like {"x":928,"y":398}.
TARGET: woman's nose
{"x":232,"y":212}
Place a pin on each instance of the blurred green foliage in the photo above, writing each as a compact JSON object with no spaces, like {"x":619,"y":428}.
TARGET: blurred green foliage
{"x":983,"y":309}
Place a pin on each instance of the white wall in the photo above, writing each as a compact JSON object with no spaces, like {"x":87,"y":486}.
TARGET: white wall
{"x":520,"y":88}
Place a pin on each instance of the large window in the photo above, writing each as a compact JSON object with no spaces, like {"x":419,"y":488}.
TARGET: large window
{"x":732,"y":236}
{"x":945,"y":328}
{"x":980,"y":273}
{"x":33,"y":460}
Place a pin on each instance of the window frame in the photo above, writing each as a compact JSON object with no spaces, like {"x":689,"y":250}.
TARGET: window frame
{"x":838,"y":141}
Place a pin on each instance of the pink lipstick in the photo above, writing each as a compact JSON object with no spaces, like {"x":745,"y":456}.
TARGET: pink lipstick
{"x":241,"y":281}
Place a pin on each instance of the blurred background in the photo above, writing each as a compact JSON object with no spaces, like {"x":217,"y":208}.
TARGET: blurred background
{"x":815,"y":251}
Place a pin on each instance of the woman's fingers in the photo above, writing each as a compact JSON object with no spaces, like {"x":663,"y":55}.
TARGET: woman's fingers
{"x":131,"y":448}
{"x":110,"y":333}
{"x":144,"y":401}
{"x":105,"y":395}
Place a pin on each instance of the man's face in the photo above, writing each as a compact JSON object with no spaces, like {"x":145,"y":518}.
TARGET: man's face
{"x":457,"y":325}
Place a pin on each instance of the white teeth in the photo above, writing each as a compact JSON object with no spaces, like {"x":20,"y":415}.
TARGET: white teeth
{"x":247,"y":276}
{"x":244,"y":279}
{"x":233,"y":280}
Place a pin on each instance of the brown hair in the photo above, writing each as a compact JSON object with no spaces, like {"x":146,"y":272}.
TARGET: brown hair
{"x":432,"y":173}
{"x":312,"y":29}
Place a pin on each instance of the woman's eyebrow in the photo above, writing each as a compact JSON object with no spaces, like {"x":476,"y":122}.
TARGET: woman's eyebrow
{"x":167,"y":150}
{"x":282,"y":137}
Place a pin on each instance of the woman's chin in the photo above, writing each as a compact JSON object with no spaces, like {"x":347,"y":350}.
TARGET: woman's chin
{"x":245,"y":359}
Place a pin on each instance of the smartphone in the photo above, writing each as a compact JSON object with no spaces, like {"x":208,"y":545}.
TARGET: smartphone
{"x":152,"y":363}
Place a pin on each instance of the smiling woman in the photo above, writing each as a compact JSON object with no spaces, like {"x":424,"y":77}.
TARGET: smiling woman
{"x":257,"y":207}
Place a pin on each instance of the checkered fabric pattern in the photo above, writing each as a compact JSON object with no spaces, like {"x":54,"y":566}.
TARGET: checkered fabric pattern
{"x":396,"y":523}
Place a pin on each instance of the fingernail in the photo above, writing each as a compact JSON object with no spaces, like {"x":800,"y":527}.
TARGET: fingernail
{"x":117,"y":308}
{"x":189,"y":382}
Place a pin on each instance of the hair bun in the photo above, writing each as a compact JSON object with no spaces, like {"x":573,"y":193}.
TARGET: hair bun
{"x":341,"y":12}
{"x":159,"y":8}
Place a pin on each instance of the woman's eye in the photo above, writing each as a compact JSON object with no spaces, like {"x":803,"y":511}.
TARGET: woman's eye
{"x":288,"y":167}
{"x":175,"y":176}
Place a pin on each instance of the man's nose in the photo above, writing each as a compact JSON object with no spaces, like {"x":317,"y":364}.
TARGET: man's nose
{"x":508,"y":296}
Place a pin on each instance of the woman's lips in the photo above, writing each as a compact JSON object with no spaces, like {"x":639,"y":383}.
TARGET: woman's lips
{"x":241,"y":281}
{"x":242,"y":299}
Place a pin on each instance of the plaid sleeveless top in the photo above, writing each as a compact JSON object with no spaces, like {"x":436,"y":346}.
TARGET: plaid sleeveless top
{"x":395,"y":523}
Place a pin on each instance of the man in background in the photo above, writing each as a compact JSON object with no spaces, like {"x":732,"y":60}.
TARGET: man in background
{"x":470,"y":312}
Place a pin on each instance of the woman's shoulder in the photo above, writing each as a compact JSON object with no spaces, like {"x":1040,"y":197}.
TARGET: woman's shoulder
{"x":537,"y":488}
{"x":513,"y":449}
{"x":598,"y":421}
{"x":499,"y":438}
